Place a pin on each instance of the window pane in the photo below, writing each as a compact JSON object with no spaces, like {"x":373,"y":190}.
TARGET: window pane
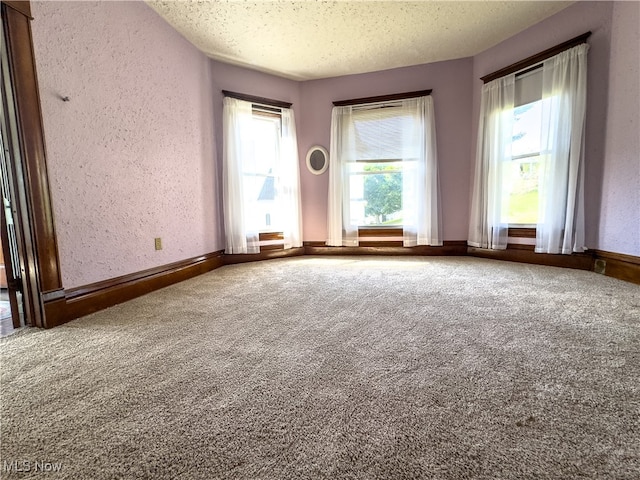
{"x":522,"y":181}
{"x":261,"y":175}
{"x":526,"y":129}
{"x":521,"y":174}
{"x":265,"y":143}
{"x":376,"y":194}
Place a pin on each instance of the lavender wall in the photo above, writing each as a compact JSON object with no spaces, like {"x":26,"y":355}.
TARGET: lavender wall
{"x":571,"y":22}
{"x":620,"y":207}
{"x":451,"y":85}
{"x":131,"y":156}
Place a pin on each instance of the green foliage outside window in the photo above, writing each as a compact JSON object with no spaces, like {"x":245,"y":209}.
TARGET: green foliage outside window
{"x":383,"y":191}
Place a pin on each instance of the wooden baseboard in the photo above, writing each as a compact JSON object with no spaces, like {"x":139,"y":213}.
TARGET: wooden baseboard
{"x":617,"y":265}
{"x":63,"y":306}
{"x":87,"y":299}
{"x":525,"y":254}
{"x":390,"y":248}
{"x":263,"y":255}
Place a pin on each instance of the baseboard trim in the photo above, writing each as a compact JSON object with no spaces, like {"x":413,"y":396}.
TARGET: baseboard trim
{"x":77,"y":302}
{"x":617,"y":265}
{"x":87,"y":299}
{"x":525,"y":254}
{"x":451,"y":248}
{"x":263,"y":255}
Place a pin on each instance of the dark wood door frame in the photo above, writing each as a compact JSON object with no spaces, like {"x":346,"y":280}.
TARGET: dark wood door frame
{"x":43,"y":264}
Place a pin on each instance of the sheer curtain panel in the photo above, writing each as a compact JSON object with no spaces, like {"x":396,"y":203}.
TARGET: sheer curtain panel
{"x":495,"y":131}
{"x":261,"y":179}
{"x":420,"y":180}
{"x":289,"y":185}
{"x":341,"y":149}
{"x":238,"y":155}
{"x":561,"y":206}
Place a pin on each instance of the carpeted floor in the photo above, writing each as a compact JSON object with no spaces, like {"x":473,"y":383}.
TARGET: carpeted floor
{"x":336,"y":368}
{"x":6,"y":324}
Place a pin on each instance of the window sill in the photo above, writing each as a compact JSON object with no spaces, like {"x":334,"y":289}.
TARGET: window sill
{"x":522,"y":232}
{"x":381,"y":231}
{"x":380,"y":236}
{"x":271,"y":241}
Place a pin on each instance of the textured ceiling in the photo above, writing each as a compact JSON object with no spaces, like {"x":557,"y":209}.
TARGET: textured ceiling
{"x":305,"y":40}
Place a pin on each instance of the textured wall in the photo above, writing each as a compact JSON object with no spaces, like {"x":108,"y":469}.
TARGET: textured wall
{"x":451,"y":84}
{"x":131,"y":156}
{"x":620,"y":212}
{"x":571,"y":22}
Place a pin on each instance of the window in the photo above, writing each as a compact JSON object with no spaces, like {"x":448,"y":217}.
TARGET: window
{"x":376,"y":181}
{"x":521,"y":175}
{"x":260,"y":176}
{"x":384,"y":170}
{"x":530,"y":156}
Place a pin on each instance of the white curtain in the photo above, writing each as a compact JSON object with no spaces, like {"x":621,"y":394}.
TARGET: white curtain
{"x":341,"y":149}
{"x":561,"y":206}
{"x":495,"y":132}
{"x":403,"y":130}
{"x":241,"y":219}
{"x":288,"y":191}
{"x":238,"y":155}
{"x":420,"y":181}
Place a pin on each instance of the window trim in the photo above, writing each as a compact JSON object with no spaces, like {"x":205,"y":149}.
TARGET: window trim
{"x":521,"y":231}
{"x":271,"y":237}
{"x":375,"y":231}
{"x":372,"y":232}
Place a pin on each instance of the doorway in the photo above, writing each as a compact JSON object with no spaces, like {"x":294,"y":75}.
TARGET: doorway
{"x":30,"y":246}
{"x":11,"y":306}
{"x":12,"y":195}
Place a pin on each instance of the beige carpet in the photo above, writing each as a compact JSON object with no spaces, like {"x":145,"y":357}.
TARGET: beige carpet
{"x":336,"y":368}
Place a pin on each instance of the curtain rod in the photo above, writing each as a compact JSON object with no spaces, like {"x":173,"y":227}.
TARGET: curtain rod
{"x":537,"y":58}
{"x":253,"y":99}
{"x":382,"y":98}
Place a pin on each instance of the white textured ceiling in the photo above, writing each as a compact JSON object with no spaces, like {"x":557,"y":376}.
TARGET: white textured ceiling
{"x":310,"y":39}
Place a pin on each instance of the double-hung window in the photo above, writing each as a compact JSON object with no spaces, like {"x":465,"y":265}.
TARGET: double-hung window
{"x":383,"y":171}
{"x":530,"y":157}
{"x":260,"y":176}
{"x":525,"y":165}
{"x":376,"y":171}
